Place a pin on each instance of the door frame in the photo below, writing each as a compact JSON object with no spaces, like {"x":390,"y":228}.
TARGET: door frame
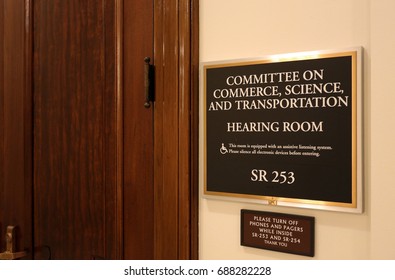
{"x":16,"y":125}
{"x":176,"y":177}
{"x":176,"y":56}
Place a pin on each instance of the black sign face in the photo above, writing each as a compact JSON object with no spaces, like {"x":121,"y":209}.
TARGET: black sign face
{"x":282,"y":131}
{"x":278,"y":232}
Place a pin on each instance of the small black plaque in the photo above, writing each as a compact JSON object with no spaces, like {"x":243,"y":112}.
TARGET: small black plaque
{"x":286,"y":233}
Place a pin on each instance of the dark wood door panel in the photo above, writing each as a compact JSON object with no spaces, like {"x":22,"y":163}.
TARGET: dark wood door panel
{"x":83,"y":164}
{"x":71,"y":127}
{"x":138,"y":133}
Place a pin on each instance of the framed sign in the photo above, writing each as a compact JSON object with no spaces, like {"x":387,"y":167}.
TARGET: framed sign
{"x":285,"y":130}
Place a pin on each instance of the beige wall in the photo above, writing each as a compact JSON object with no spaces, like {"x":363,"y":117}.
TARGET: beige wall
{"x":233,"y":29}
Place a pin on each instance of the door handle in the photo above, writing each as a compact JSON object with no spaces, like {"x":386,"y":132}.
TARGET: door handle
{"x":10,"y":253}
{"x":148,"y":82}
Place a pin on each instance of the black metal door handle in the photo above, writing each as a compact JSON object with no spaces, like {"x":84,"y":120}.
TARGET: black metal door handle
{"x":148,"y":82}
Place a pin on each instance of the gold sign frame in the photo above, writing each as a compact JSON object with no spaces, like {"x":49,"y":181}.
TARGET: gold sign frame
{"x":356,"y":205}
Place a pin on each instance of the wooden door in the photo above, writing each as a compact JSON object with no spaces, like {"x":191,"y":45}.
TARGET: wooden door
{"x":75,"y":123}
{"x":87,"y":171}
{"x":138,"y":145}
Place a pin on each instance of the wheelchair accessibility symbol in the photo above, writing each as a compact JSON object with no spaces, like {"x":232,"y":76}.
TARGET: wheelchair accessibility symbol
{"x":223,"y":150}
